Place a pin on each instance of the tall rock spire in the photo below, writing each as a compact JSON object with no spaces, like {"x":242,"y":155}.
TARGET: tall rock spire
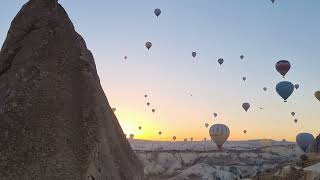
{"x":55,"y":121}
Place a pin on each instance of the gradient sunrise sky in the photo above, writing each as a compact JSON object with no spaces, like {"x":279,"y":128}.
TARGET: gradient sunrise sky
{"x":263,"y":32}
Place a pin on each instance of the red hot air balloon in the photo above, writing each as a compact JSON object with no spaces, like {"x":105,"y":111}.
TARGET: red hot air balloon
{"x":283,"y":66}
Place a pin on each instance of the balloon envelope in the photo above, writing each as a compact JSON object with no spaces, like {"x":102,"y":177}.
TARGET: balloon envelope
{"x":157,"y":12}
{"x":293,"y":113}
{"x":285,"y":89}
{"x":296,"y":86}
{"x":131,"y":136}
{"x":241,"y":57}
{"x":265,"y":88}
{"x":148,"y":104}
{"x":246,"y":106}
{"x":317,"y":95}
{"x":304,"y":140}
{"x":206,"y":125}
{"x":283,"y":66}
{"x":215,"y":114}
{"x":194,"y":54}
{"x":153,"y":110}
{"x":219,"y":133}
{"x":295,"y":120}
{"x":174,"y":138}
{"x":140,"y":127}
{"x":244,"y":78}
{"x":220,"y":61}
{"x":148,"y":45}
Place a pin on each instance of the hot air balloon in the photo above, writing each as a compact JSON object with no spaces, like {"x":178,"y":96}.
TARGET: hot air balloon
{"x":245,"y":131}
{"x":148,"y":104}
{"x":265,"y":88}
{"x":206,"y":125}
{"x":219,"y":133}
{"x":295,"y":120}
{"x":317,"y":95}
{"x":283,"y":66}
{"x":145,"y":96}
{"x":293,"y":113}
{"x":194,"y":54}
{"x":191,"y":139}
{"x":185,"y":139}
{"x":140,"y":127}
{"x":125,"y":57}
{"x":285,"y":89}
{"x":265,"y":142}
{"x":215,"y":114}
{"x":114,"y":109}
{"x":157,"y":12}
{"x":296,"y":86}
{"x":272,"y":1}
{"x":153,"y":111}
{"x":204,"y":139}
{"x":304,"y":140}
{"x":241,"y":56}
{"x":244,"y":78}
{"x":131,"y":136}
{"x":246,"y":106}
{"x":148,"y":45}
{"x":160,"y":133}
{"x":174,"y":138}
{"x":220,"y":61}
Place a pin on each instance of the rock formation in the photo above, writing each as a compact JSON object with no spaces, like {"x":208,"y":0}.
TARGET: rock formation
{"x":55,"y":121}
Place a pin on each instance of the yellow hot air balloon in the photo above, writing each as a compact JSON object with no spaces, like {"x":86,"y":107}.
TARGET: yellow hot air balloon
{"x":317,"y":95}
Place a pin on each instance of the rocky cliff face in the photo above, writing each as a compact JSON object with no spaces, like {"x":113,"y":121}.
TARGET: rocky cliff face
{"x":55,"y":121}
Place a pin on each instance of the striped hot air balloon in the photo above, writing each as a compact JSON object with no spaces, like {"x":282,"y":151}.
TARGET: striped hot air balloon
{"x":219,"y":133}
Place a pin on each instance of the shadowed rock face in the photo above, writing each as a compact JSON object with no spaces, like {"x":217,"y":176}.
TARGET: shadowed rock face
{"x":55,"y":121}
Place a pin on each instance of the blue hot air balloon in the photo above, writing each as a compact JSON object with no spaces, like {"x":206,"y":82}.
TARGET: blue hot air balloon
{"x":285,"y":89}
{"x":304,"y":140}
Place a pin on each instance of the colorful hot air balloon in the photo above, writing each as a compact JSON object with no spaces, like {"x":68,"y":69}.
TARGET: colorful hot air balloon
{"x":304,"y":140}
{"x":194,"y":54}
{"x":148,"y":104}
{"x":215,"y":114}
{"x":157,"y":12}
{"x":140,"y":127}
{"x":219,"y":133}
{"x":131,"y":136}
{"x":241,"y":56}
{"x":295,"y":120}
{"x":206,"y":125}
{"x":317,"y":95}
{"x":246,"y":106}
{"x":293,"y":113}
{"x":283,"y":67}
{"x":220,"y":61}
{"x":285,"y":89}
{"x":153,"y":111}
{"x":244,"y":78}
{"x":148,"y":45}
{"x":174,"y":138}
{"x":296,"y":86}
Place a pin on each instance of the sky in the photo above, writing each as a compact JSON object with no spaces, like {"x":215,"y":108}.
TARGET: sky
{"x":168,"y":74}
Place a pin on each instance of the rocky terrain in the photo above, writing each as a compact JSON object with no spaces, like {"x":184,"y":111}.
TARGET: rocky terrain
{"x":202,"y":160}
{"x":55,"y":120}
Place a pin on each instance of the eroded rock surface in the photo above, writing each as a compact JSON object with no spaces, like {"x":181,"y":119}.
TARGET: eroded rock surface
{"x":55,"y":121}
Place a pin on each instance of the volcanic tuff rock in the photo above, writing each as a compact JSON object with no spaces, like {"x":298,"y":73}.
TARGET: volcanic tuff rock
{"x":55,"y":121}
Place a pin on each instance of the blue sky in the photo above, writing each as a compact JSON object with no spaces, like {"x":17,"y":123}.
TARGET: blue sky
{"x":263,"y":32}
